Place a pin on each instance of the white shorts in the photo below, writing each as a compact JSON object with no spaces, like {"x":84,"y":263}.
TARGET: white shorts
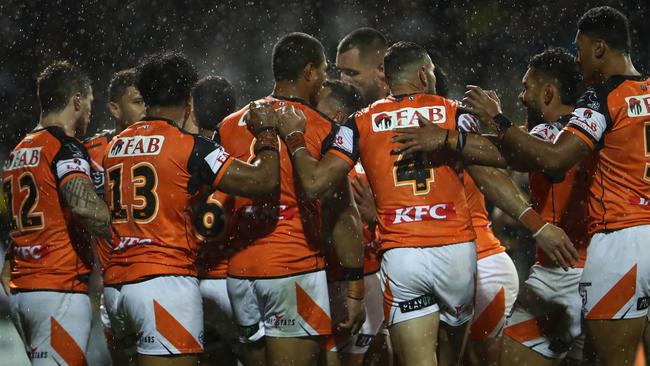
{"x":54,"y":326}
{"x":549,"y":326}
{"x":497,"y":285}
{"x":616,"y":281}
{"x":217,"y":312}
{"x":421,"y":281}
{"x":163,"y":313}
{"x":358,"y":343}
{"x":294,"y":306}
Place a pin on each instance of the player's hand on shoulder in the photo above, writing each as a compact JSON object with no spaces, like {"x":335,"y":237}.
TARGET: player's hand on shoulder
{"x":485,"y":104}
{"x":557,"y":246}
{"x":426,"y":138}
{"x":260,"y":117}
{"x":291,"y":120}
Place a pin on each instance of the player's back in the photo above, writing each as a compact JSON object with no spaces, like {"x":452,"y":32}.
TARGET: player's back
{"x":418,"y":204}
{"x":43,"y":254}
{"x":151,"y":170}
{"x":293,"y":245}
{"x":613,"y":117}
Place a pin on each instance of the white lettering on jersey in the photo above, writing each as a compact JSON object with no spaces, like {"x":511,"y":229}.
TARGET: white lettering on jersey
{"x":589,"y":121}
{"x":131,"y":241}
{"x":407,"y":117}
{"x":66,"y":166}
{"x":440,"y":211}
{"x":28,"y":252}
{"x":638,"y":105}
{"x":344,"y":139}
{"x":23,"y":158}
{"x":216,"y":158}
{"x":137,"y":146}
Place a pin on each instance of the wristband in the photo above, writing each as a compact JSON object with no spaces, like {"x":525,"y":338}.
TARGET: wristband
{"x":503,"y":124}
{"x":295,"y":141}
{"x":353,"y":274}
{"x":460,"y":143}
{"x":532,"y":220}
{"x":267,"y":139}
{"x":356,"y":289}
{"x":540,"y":230}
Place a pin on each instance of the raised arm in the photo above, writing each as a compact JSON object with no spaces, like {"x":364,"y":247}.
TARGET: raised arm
{"x":317,"y":177}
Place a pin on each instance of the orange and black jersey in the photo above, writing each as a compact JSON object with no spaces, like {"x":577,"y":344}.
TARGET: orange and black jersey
{"x":291,"y":243}
{"x":42,"y":253}
{"x":420,"y":201}
{"x":153,"y":168}
{"x":562,"y":199}
{"x":96,"y":146}
{"x":613,"y":118}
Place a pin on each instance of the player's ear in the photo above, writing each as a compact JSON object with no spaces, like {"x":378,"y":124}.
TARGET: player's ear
{"x":422,"y":74}
{"x":114,"y":110}
{"x":76,"y":101}
{"x":599,"y":48}
{"x":309,"y":72}
{"x":549,"y":93}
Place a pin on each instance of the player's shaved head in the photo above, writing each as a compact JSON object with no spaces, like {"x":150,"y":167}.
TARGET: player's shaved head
{"x":402,"y":60}
{"x":293,"y":52}
{"x":214,"y":99}
{"x":556,"y":65}
{"x":345,"y":95}
{"x":368,"y":41}
{"x":608,"y":24}
{"x":57,"y":83}
{"x":165,"y":79}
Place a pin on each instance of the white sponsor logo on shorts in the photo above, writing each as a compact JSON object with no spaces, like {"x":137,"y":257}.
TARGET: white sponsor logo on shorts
{"x":137,"y":146}
{"x":440,"y":211}
{"x":407,"y":117}
{"x":23,"y":158}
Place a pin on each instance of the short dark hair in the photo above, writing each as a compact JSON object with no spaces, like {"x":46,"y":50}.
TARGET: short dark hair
{"x":346,"y":94}
{"x":57,"y":83}
{"x":609,"y":24}
{"x":400,"y":55}
{"x":365,"y":39}
{"x":442,"y":81}
{"x":558,"y":64}
{"x":214,"y":99}
{"x":165,"y":79}
{"x":293,"y":52}
{"x":119,"y":83}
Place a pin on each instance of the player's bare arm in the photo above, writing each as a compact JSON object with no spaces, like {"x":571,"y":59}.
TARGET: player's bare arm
{"x":346,"y":236}
{"x":87,"y":207}
{"x":261,"y":178}
{"x":429,"y":138}
{"x":316,"y":177}
{"x":502,"y":191}
{"x":5,"y":276}
{"x":555,"y":157}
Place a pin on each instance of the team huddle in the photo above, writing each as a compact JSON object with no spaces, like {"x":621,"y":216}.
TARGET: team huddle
{"x":337,"y":222}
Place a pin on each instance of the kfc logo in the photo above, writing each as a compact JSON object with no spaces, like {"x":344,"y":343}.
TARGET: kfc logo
{"x":440,"y":211}
{"x":131,"y":241}
{"x":638,"y":106}
{"x":30,"y":252}
{"x":407,"y":117}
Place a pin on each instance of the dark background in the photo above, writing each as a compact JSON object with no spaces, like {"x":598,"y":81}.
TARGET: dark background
{"x":487,"y":43}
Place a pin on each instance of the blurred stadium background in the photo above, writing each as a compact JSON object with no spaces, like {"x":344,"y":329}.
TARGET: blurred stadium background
{"x":486,"y":43}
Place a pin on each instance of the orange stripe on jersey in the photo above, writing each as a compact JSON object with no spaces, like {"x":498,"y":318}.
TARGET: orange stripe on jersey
{"x":615,"y":298}
{"x":63,"y":343}
{"x":312,"y":313}
{"x":490,"y":318}
{"x":582,"y":136}
{"x":174,"y":332}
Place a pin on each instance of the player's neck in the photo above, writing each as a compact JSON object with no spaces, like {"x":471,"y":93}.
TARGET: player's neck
{"x":172,"y":113}
{"x":406,"y":89}
{"x":288,"y":89}
{"x":619,"y":64}
{"x":206,"y":133}
{"x":557,"y":111}
{"x":61,"y":119}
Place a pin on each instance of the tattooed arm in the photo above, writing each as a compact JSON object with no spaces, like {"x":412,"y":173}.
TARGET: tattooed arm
{"x":87,"y":207}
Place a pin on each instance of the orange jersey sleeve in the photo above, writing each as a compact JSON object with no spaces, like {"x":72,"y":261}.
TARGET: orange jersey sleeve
{"x":562,"y":200}
{"x":288,"y":233}
{"x":420,"y":202}
{"x":42,"y":253}
{"x":613,"y":118}
{"x":153,"y":168}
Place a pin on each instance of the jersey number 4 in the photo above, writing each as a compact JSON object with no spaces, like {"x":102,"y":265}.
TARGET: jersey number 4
{"x":26,"y":219}
{"x":143,"y":181}
{"x":415,"y":173}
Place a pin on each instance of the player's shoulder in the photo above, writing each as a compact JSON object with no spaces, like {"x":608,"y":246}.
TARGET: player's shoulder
{"x":101,"y":138}
{"x":548,"y":131}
